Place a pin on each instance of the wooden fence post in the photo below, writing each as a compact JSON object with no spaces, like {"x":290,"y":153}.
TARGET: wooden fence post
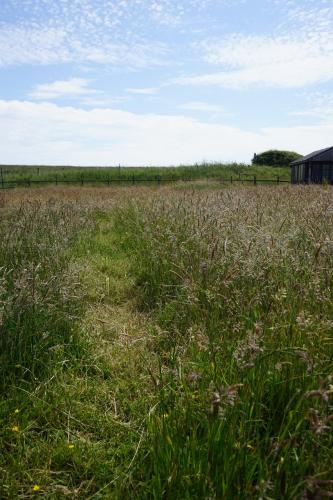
{"x":254,"y":180}
{"x":82,"y":180}
{"x":2,"y":181}
{"x":231,"y":179}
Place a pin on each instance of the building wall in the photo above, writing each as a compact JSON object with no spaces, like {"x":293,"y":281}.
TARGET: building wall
{"x":316,"y":172}
{"x":298,"y":173}
{"x":321,"y":172}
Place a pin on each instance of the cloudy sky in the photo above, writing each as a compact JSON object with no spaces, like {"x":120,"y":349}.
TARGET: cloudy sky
{"x":142,"y":82}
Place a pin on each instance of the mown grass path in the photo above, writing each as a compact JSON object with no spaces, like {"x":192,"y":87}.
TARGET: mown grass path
{"x":121,"y":358}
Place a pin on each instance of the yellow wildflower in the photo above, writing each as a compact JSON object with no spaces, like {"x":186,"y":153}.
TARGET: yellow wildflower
{"x":17,"y":410}
{"x":36,"y":487}
{"x":70,"y":446}
{"x":15,"y":428}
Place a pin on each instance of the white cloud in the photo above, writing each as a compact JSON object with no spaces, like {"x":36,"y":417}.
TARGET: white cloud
{"x":47,"y":133}
{"x":134,"y":56}
{"x":162,"y":12}
{"x":299,"y":52}
{"x":73,"y":88}
{"x":44,"y":45}
{"x":319,"y":106}
{"x":203,"y":107}
{"x":101,"y":101}
{"x":112,"y":32}
{"x":143,"y":90}
{"x":72,"y":31}
{"x":286,"y":61}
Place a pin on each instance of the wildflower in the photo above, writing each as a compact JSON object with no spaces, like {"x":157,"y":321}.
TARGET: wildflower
{"x":193,"y":377}
{"x":318,"y":488}
{"x":318,"y":423}
{"x":15,"y":428}
{"x":36,"y":487}
{"x":322,"y":392}
{"x":248,"y":350}
{"x":224,"y":396}
{"x":304,"y":356}
{"x":302,"y":320}
{"x":70,"y":446}
{"x":17,"y":411}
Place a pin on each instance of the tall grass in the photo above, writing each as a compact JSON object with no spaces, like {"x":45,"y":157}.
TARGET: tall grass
{"x":72,"y":404}
{"x":38,"y":286}
{"x":240,"y":283}
{"x":220,"y":387}
{"x":193,"y":172}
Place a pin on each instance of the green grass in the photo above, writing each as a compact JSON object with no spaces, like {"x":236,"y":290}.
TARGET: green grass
{"x":240,"y":284}
{"x":75,"y":428}
{"x":38,"y":287}
{"x":193,"y":344}
{"x":191,"y":172}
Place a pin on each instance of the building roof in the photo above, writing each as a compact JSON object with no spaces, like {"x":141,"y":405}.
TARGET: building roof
{"x":325,"y":154}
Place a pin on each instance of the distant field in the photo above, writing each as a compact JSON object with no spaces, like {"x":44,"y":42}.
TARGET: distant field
{"x":81,"y":175}
{"x":166,"y":343}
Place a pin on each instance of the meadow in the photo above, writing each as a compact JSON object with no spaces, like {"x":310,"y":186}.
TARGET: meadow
{"x":166,"y":342}
{"x":62,"y":174}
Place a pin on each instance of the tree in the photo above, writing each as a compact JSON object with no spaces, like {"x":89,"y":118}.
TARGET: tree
{"x":275,"y":158}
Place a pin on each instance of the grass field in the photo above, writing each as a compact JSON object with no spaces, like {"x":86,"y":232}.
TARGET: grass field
{"x":109,"y":174}
{"x":166,"y":343}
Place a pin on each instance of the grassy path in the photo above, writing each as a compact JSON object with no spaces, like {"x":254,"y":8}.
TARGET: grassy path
{"x":79,"y":433}
{"x":119,"y":345}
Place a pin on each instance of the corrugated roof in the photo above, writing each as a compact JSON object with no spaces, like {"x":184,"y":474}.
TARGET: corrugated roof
{"x":312,"y":156}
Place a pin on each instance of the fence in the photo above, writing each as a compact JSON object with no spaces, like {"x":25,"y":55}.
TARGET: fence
{"x":158,"y":180}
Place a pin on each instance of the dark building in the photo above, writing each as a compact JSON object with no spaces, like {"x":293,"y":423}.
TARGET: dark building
{"x":316,"y":167}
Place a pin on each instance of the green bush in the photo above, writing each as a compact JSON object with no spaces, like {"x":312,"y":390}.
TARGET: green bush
{"x":275,"y":158}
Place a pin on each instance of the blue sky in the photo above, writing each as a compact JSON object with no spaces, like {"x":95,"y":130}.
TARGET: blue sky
{"x":142,"y":82}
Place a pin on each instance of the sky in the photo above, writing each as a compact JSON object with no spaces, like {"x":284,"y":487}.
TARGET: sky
{"x":163,"y":82}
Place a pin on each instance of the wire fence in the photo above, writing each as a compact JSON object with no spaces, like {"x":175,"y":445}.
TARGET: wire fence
{"x":133,"y":180}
